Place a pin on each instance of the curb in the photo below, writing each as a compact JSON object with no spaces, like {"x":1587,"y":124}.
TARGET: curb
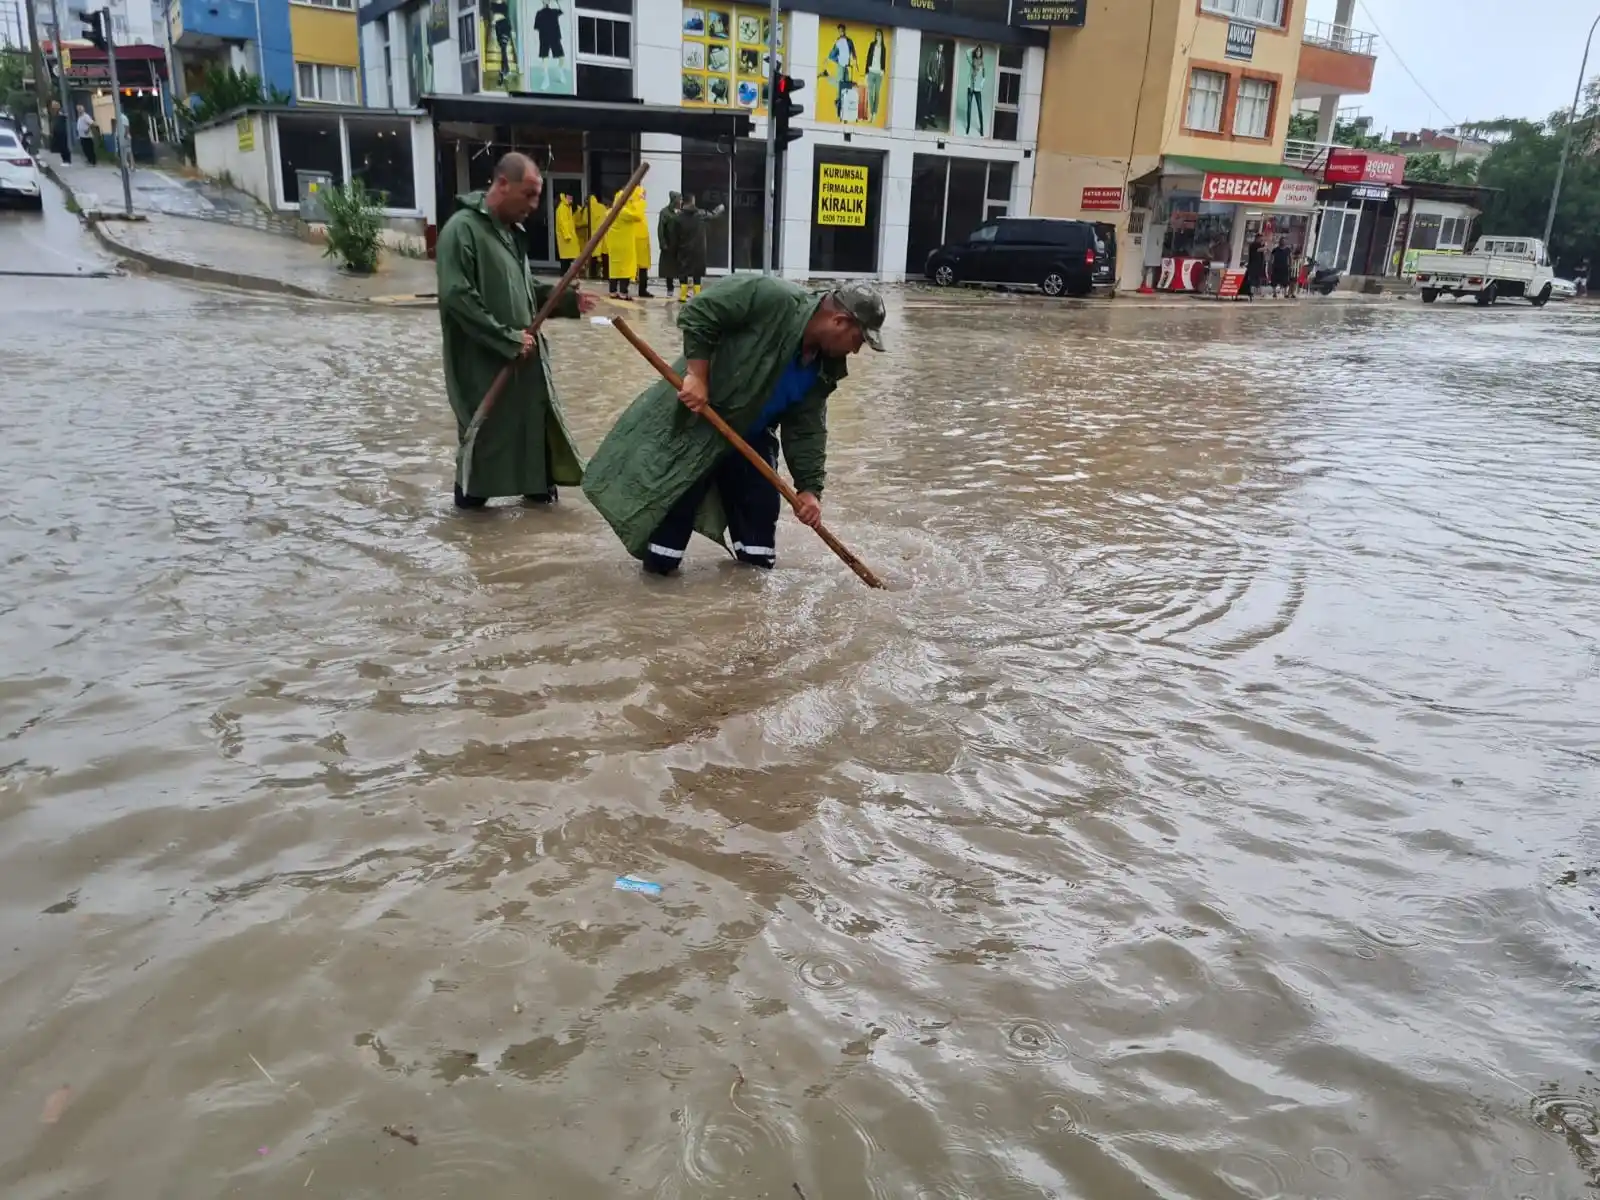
{"x":174,"y":268}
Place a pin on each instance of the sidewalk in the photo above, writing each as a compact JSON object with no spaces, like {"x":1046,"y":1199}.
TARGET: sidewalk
{"x":194,"y":229}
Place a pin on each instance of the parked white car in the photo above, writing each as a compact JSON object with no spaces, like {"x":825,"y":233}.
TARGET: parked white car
{"x":1563,"y":289}
{"x":19,"y":175}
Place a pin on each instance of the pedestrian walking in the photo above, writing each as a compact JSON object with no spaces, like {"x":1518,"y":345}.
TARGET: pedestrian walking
{"x":1281,"y":277}
{"x":567,"y":243}
{"x":86,"y":133}
{"x":765,"y":354}
{"x":1580,"y":277}
{"x":666,"y":241}
{"x":690,"y":243}
{"x":487,"y":300}
{"x":622,"y":248}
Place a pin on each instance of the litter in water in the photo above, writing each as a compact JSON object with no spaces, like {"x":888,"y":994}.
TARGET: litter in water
{"x":627,"y":883}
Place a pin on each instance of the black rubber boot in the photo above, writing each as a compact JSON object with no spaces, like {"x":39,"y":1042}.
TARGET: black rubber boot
{"x":549,"y":497}
{"x":644,"y":285}
{"x":465,"y":501}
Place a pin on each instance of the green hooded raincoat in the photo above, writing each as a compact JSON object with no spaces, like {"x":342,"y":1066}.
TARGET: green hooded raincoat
{"x":486,"y":299}
{"x":667,"y":238}
{"x":750,"y":328}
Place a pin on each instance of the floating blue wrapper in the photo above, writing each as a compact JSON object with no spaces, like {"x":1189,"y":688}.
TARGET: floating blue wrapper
{"x":627,"y":883}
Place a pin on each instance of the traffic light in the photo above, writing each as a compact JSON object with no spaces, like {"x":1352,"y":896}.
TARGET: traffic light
{"x":785,"y":108}
{"x":94,"y":27}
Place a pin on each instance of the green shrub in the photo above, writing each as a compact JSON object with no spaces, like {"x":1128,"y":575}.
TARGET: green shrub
{"x":355,"y":224}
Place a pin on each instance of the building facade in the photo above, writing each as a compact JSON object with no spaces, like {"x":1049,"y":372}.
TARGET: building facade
{"x":920,"y":120}
{"x":1169,"y":119}
{"x":308,"y":50}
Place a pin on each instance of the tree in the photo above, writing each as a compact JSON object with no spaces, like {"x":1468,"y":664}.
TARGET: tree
{"x":1433,"y":167}
{"x":227,"y":88}
{"x":14,"y":97}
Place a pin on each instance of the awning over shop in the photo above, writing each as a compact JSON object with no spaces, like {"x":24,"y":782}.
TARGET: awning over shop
{"x":566,"y":112}
{"x":1229,"y":166}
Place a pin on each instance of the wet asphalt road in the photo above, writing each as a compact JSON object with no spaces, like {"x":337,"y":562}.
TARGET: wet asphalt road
{"x":1208,"y":812}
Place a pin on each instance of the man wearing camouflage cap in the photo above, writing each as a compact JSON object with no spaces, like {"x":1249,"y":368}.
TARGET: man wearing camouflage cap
{"x":765,"y":354}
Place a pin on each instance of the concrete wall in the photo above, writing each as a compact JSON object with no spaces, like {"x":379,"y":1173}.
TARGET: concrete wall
{"x":217,"y":152}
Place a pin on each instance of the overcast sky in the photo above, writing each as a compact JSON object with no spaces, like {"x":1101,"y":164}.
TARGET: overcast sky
{"x":1480,"y":59}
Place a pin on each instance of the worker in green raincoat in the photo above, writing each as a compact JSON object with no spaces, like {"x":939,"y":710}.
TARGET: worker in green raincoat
{"x":487,"y":300}
{"x":765,"y":354}
{"x":666,"y":238}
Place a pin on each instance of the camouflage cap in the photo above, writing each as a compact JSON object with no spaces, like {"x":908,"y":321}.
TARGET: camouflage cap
{"x":866,"y":306}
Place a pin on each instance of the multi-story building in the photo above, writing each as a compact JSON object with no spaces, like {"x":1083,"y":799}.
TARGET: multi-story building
{"x":1169,"y":118}
{"x":919,"y":121}
{"x":307,"y":49}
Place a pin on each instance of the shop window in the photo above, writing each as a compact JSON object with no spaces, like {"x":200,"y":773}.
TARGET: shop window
{"x":708,"y":177}
{"x":349,"y":5}
{"x":950,"y":197}
{"x":1425,"y":232}
{"x":605,"y":40}
{"x":1252,"y":112}
{"x":467,"y":31}
{"x":1008,"y":96}
{"x":324,"y":84}
{"x":380,"y":156}
{"x":1207,"y":89}
{"x":386,"y":51}
{"x":1453,"y":233}
{"x":1257,"y":12}
{"x":844,"y":234}
{"x":307,"y":143}
{"x":748,"y":210}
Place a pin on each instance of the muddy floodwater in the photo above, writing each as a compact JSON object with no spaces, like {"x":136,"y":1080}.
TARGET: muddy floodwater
{"x":1209,"y":811}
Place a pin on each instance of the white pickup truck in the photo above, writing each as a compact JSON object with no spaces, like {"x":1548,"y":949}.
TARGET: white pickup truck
{"x":1497,"y":268}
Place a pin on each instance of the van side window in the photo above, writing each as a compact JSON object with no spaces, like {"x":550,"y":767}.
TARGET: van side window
{"x":1015,"y":231}
{"x":984,"y":233}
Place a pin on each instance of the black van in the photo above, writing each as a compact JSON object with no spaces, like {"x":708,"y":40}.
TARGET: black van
{"x":1060,"y":257}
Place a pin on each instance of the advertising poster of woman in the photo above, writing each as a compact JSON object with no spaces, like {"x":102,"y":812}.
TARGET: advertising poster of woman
{"x":853,"y":73}
{"x":933,"y":83}
{"x":976,"y":86}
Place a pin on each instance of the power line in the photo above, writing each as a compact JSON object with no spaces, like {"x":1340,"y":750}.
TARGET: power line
{"x":1389,"y":41}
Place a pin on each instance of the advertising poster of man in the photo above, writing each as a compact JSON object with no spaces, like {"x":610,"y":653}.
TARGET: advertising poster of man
{"x":977,"y":84}
{"x":933,"y":83}
{"x":853,"y":73}
{"x":527,"y":46}
{"x":725,"y":57}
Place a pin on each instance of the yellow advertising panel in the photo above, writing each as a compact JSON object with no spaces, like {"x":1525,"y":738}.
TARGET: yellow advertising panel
{"x":853,"y":73}
{"x":246,"y":128}
{"x":841,"y":194}
{"x":725,"y":56}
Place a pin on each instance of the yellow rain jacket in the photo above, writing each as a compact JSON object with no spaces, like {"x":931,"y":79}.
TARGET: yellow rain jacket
{"x":636,"y":206}
{"x":567,"y":243}
{"x":622,"y":243}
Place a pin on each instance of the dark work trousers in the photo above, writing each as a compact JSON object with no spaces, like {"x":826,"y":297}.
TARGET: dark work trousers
{"x":750,"y":502}
{"x":86,"y":144}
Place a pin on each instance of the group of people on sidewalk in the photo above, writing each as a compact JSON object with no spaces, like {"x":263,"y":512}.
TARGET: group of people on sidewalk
{"x":764,"y":353}
{"x":624,"y":255}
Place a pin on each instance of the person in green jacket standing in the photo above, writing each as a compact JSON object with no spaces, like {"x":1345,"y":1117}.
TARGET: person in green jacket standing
{"x":765,"y":354}
{"x":487,"y":299}
{"x":667,"y":238}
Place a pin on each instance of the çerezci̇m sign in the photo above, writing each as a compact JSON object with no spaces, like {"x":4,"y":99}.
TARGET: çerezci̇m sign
{"x":1049,"y":12}
{"x":1267,"y":190}
{"x":1101,"y":199}
{"x":1363,"y":166}
{"x":841,"y":194}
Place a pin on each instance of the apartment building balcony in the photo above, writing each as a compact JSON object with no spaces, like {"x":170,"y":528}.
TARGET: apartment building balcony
{"x":1335,"y":60}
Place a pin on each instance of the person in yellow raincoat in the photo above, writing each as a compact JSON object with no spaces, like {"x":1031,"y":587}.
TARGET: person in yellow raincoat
{"x":580,"y":227}
{"x":597,"y":215}
{"x":641,"y":243}
{"x":567,"y":243}
{"x":622,"y":241}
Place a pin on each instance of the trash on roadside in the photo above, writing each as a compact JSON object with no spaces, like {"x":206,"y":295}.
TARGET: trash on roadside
{"x":405,"y":1135}
{"x":55,"y":1104}
{"x":627,"y":883}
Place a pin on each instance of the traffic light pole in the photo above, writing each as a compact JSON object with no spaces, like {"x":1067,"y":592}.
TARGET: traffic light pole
{"x":122,"y":141}
{"x":773,"y":70}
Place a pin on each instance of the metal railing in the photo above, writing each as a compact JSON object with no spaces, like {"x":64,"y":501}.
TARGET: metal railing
{"x":1297,"y":153}
{"x":1341,"y":37}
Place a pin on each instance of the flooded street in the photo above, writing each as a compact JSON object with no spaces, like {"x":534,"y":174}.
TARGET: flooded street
{"x":1210,"y":810}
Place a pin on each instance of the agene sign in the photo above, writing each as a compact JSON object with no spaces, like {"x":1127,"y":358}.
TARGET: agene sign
{"x":1364,"y":166}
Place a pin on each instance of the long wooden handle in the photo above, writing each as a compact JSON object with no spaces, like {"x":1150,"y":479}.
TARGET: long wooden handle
{"x":571,"y":273}
{"x":664,"y":369}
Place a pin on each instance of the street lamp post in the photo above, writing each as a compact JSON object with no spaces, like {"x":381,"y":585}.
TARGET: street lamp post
{"x":1566,"y":144}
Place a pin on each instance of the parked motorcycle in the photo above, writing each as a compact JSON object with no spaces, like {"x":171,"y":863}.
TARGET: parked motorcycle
{"x":1319,"y":279}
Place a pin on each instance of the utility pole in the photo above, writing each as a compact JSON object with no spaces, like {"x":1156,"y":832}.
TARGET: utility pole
{"x":121,"y":139}
{"x":1566,"y":144}
{"x":61,"y":76}
{"x":41,"y":77}
{"x":773,"y":70}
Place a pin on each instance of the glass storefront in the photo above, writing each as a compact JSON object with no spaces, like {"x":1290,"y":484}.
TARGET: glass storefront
{"x":1295,"y":226}
{"x":738,"y":184}
{"x":950,"y":197}
{"x":1198,"y":228}
{"x":846,"y":210}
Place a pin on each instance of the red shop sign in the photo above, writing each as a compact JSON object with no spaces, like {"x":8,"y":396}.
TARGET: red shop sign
{"x":1232,"y":284}
{"x":1102,"y":199}
{"x":1240,"y":189}
{"x":1363,"y":166}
